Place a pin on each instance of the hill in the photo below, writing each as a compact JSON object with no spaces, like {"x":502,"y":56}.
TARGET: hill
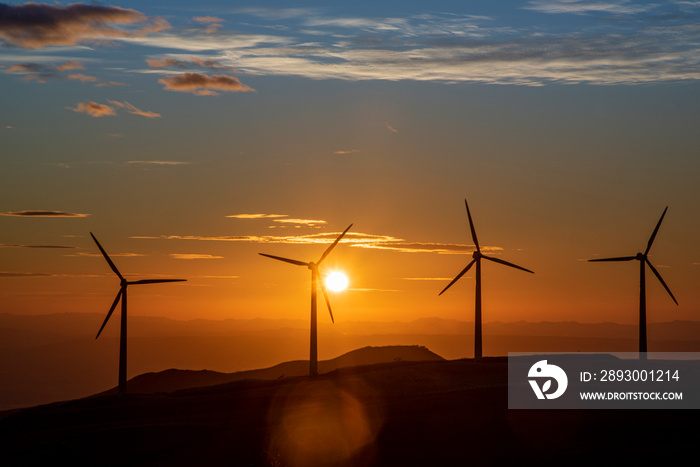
{"x":173,"y":379}
{"x":392,"y":414}
{"x":52,"y":357}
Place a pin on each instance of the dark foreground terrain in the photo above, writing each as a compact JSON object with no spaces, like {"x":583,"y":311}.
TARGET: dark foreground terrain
{"x":436,"y":413}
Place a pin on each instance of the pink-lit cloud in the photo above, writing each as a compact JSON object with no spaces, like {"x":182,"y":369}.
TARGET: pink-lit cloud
{"x":110,"y":83}
{"x":94,"y":109}
{"x":35,"y":25}
{"x":213,"y":23}
{"x":200,"y":84}
{"x":133,"y":110}
{"x":82,"y":78}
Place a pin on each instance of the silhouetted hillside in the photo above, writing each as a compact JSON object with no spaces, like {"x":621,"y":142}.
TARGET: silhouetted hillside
{"x":442,"y":413}
{"x":47,"y":358}
{"x":173,"y":379}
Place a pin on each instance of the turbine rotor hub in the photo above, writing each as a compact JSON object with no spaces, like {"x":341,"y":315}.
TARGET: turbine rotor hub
{"x":476,"y":255}
{"x":640,"y":256}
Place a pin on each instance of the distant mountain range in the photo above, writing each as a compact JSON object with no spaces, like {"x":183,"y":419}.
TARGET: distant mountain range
{"x":45,"y":358}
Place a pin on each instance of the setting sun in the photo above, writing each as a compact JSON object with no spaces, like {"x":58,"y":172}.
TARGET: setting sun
{"x":337,"y":281}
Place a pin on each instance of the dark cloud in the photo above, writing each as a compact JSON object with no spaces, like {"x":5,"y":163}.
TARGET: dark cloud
{"x":42,"y":214}
{"x":2,"y":245}
{"x":204,"y":85}
{"x":41,"y":71}
{"x":34,"y":25}
{"x":192,"y":62}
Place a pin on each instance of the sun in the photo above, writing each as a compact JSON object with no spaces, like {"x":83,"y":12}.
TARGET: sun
{"x":336,"y":281}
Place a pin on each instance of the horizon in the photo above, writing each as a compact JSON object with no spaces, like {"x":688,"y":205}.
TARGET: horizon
{"x":189,"y":139}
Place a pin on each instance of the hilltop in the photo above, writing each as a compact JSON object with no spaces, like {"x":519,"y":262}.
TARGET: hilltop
{"x":399,"y":413}
{"x":174,"y":379}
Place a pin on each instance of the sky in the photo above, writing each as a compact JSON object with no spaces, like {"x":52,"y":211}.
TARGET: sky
{"x":189,"y":137}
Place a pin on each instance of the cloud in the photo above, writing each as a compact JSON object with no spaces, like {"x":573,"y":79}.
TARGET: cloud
{"x":353,"y":239}
{"x":133,"y":110}
{"x":24,"y":274}
{"x":111,"y":83}
{"x":256,"y":216}
{"x":101,"y":110}
{"x":208,"y":19}
{"x":3,"y":245}
{"x":351,"y":151}
{"x":34,"y":25}
{"x":587,"y":6}
{"x":193,"y":256}
{"x":426,"y":278}
{"x":203,"y":85}
{"x":42,"y":214}
{"x":40,"y":72}
{"x":82,"y":78}
{"x":309,"y":222}
{"x":390,"y":128}
{"x":93,"y":109}
{"x":213,"y":23}
{"x":160,"y":162}
{"x":189,"y":63}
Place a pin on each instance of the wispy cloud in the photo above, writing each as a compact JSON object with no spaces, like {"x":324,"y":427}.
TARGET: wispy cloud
{"x":42,"y":214}
{"x":97,"y":110}
{"x":426,"y":278}
{"x":3,"y":245}
{"x":34,"y":25}
{"x":353,"y":239}
{"x":110,"y":83}
{"x":588,"y":6}
{"x":160,"y":162}
{"x":350,"y":151}
{"x":391,"y":128}
{"x":93,"y":109}
{"x":309,"y":222}
{"x":256,"y":216}
{"x":204,"y":85}
{"x":133,"y":110}
{"x":82,"y":78}
{"x":40,"y":72}
{"x":193,"y":256}
{"x":187,"y":63}
{"x":213,"y":23}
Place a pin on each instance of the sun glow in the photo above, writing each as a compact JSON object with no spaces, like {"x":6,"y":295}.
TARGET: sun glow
{"x":336,"y":281}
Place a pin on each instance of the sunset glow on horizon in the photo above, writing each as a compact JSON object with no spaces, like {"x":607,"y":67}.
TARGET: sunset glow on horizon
{"x":191,"y":137}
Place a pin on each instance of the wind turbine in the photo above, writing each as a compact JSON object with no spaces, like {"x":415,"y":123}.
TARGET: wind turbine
{"x":313,"y":353}
{"x":122,"y":295}
{"x":477,"y":257}
{"x":644,"y":260}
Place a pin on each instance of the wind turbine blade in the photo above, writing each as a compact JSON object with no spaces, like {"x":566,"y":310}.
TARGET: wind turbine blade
{"x":471,"y":226}
{"x":328,"y":250}
{"x":496,"y":260}
{"x":111,"y":310}
{"x":328,"y":302}
{"x":621,"y":258}
{"x":286,"y":260}
{"x":653,"y":235}
{"x":155,"y":281}
{"x":658,"y":276}
{"x":464,"y":271}
{"x":109,"y":261}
